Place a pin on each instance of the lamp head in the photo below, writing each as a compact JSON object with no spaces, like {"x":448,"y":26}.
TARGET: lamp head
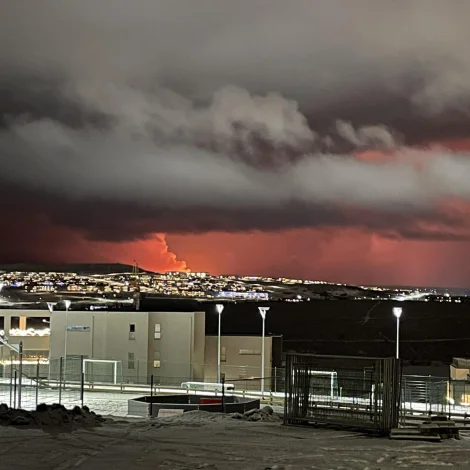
{"x":397,"y":311}
{"x":263,"y":311}
{"x":219,"y":308}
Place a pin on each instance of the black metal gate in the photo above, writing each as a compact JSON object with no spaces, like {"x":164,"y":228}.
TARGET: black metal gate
{"x":359,"y":392}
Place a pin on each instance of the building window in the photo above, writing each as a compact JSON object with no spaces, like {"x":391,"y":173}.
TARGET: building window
{"x":132,"y":331}
{"x":158,"y":333}
{"x":130,"y":361}
{"x":223,"y":354}
{"x":156,"y":360}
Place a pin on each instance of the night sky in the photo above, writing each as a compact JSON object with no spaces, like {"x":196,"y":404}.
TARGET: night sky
{"x":312,"y":139}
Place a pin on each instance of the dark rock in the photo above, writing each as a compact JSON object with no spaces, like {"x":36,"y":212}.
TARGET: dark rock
{"x":237,"y":416}
{"x":21,"y":421}
{"x":51,"y":415}
{"x":267,"y":410}
{"x":58,"y":406}
{"x":251,"y":412}
{"x":255,"y":417}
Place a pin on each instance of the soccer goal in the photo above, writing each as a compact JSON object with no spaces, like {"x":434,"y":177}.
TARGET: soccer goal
{"x":322,"y":383}
{"x":102,"y":371}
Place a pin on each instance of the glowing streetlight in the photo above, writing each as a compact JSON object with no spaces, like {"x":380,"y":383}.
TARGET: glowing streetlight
{"x":263,"y":311}
{"x":220,"y":309}
{"x":397,"y":311}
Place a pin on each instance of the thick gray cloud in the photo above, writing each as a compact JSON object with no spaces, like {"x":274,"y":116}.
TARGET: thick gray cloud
{"x":193,"y":116}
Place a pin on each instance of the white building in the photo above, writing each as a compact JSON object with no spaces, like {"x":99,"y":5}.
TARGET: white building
{"x":167,"y":345}
{"x":130,"y":347}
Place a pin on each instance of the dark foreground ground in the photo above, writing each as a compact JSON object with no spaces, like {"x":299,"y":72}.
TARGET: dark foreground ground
{"x":199,"y":441}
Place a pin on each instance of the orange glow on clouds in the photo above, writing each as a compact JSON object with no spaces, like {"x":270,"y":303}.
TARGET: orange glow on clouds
{"x":348,"y":255}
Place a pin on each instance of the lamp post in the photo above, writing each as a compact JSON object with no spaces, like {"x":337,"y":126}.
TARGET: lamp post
{"x":397,"y":311}
{"x":263,"y":311}
{"x":220,"y":309}
{"x":67,"y":304}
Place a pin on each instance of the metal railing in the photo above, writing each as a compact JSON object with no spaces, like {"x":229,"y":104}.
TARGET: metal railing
{"x":354,"y":394}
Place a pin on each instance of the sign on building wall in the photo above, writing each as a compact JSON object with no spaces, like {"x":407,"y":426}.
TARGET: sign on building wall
{"x":77,"y":328}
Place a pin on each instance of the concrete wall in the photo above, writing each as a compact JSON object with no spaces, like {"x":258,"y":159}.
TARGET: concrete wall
{"x":242,"y":358}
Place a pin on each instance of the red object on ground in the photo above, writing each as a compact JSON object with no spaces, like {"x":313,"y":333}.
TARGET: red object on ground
{"x":210,"y":401}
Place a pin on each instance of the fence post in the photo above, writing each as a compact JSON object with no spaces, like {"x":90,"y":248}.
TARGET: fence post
{"x":20,"y":373}
{"x":223,"y":394}
{"x":60,"y":378}
{"x":82,"y":380}
{"x":275,"y":379}
{"x":14,"y":389}
{"x":11,"y":378}
{"x":151,"y":395}
{"x":37,"y":382}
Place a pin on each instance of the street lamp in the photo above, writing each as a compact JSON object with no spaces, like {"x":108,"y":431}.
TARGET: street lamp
{"x":263,"y":311}
{"x":397,"y":311}
{"x":67,"y":304}
{"x":220,"y":309}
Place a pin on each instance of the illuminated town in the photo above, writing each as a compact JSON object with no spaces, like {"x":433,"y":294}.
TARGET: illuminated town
{"x":118,"y":283}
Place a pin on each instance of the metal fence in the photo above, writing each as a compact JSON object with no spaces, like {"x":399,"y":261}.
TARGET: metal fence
{"x":353,"y":391}
{"x":106,"y":386}
{"x":334,"y":390}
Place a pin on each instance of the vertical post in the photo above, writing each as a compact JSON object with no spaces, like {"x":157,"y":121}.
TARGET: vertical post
{"x":397,"y":311}
{"x":220,"y":309}
{"x":262,"y":355}
{"x":61,"y":363}
{"x":151,"y":396}
{"x":20,"y":373}
{"x":65,"y":341}
{"x":263,"y":311}
{"x":398,"y":337}
{"x":11,"y":377}
{"x":223,"y":394}
{"x":14,"y":389}
{"x":218,"y":350}
{"x":37,"y":382}
{"x":82,"y":380}
{"x":275,"y":380}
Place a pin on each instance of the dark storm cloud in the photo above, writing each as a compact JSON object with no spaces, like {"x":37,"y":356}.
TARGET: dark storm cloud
{"x":192,"y":116}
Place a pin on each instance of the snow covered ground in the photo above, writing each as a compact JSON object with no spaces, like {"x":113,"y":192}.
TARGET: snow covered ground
{"x":198,"y":441}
